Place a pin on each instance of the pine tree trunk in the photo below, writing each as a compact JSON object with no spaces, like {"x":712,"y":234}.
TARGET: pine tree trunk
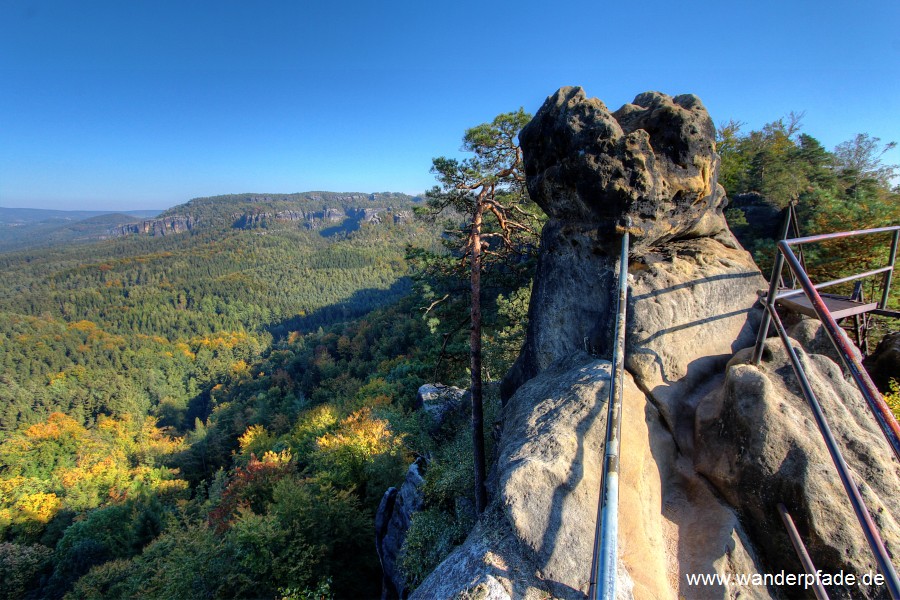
{"x":475,"y":366}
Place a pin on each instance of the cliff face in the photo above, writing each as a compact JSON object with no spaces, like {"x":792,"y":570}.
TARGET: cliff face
{"x":704,"y":461}
{"x":163,"y":226}
{"x":317,"y":211}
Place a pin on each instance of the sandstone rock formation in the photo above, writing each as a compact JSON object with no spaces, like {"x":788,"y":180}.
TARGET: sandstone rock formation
{"x":591,"y":170}
{"x":538,"y":538}
{"x":440,"y":403}
{"x":251,"y":220}
{"x":652,"y":161}
{"x":756,"y":433}
{"x":162,"y":226}
{"x":392,"y":521}
{"x":884,"y":364}
{"x":709,"y":447}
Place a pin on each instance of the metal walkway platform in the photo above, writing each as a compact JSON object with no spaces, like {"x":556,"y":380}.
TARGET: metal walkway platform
{"x":839,"y":306}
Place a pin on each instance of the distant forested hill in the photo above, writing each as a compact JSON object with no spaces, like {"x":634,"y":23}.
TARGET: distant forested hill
{"x":145,"y":322}
{"x":212,"y":400}
{"x":30,"y":227}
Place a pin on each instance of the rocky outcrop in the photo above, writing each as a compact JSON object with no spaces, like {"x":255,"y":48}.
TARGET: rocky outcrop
{"x":756,"y":441}
{"x":537,"y":539}
{"x":710,"y":445}
{"x":315,"y":210}
{"x":652,"y":166}
{"x":440,"y":403}
{"x":371,"y":215}
{"x":392,"y":521}
{"x":884,"y":364}
{"x":163,"y":226}
{"x":252,"y":220}
{"x":651,"y":163}
{"x":318,"y":219}
{"x":403,"y":216}
{"x":690,"y":307}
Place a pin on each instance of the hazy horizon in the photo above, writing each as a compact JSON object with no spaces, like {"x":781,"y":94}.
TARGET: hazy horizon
{"x":121,"y":106}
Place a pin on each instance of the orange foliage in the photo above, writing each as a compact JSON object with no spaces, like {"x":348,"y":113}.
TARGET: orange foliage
{"x":225,"y":339}
{"x":82,"y":468}
{"x":55,"y":427}
{"x":83,"y":325}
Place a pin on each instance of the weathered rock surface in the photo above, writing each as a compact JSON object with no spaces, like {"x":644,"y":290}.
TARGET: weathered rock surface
{"x":689,"y":309}
{"x":884,"y":364}
{"x":440,"y":403}
{"x":757,"y":442}
{"x":709,"y":445}
{"x":392,"y":521}
{"x":403,"y":216}
{"x":250,"y":220}
{"x":541,"y":531}
{"x":164,"y":226}
{"x":652,"y":161}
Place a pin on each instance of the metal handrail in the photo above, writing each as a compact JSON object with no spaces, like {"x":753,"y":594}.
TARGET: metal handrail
{"x":605,"y":559}
{"x":799,"y":292}
{"x":842,"y":344}
{"x":800,"y":549}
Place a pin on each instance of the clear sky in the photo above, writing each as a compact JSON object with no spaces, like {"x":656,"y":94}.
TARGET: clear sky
{"x":130,"y":104}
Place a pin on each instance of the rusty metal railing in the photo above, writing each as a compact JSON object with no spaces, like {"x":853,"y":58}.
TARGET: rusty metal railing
{"x":842,"y":344}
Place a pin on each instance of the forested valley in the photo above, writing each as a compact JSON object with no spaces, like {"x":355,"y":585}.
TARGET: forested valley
{"x":217,"y":412}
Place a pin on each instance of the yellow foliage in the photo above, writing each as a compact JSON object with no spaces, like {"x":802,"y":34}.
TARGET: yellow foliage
{"x":38,"y":507}
{"x":185,"y":349}
{"x":240,"y":368}
{"x":225,"y":339}
{"x":83,"y":325}
{"x":55,"y":427}
{"x":893,"y":398}
{"x":360,"y":434}
{"x":156,"y":442}
{"x":253,"y":433}
{"x":171,"y":486}
{"x":320,"y":418}
{"x":89,"y":467}
{"x":277,"y":458}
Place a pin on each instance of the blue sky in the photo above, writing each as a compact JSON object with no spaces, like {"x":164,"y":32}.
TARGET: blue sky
{"x":138,"y":104}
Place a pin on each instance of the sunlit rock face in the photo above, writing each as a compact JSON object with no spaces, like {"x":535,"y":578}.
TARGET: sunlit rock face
{"x":651,"y":166}
{"x":652,"y":163}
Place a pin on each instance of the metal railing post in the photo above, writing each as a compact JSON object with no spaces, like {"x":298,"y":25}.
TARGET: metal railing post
{"x":605,"y":559}
{"x":885,"y":295}
{"x":802,"y":554}
{"x":842,"y":344}
{"x":769,"y":301}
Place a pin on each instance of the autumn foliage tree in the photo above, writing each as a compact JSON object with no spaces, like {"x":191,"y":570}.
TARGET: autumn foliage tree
{"x":485,"y":197}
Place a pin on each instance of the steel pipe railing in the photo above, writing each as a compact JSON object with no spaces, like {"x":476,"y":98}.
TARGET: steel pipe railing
{"x":890,"y":274}
{"x":842,"y":344}
{"x":605,"y":559}
{"x":799,"y":292}
{"x":800,"y":549}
